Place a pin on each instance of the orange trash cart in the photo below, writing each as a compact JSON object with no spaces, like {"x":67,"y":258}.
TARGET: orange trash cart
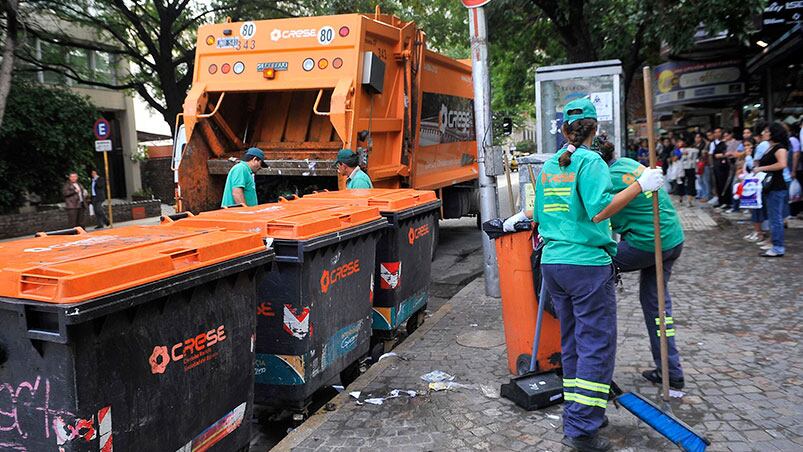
{"x":520,"y":306}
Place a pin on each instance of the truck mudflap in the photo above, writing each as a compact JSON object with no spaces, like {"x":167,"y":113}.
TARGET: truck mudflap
{"x":307,"y":167}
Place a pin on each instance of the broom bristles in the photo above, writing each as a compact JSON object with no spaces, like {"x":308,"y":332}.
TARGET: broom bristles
{"x":664,"y":423}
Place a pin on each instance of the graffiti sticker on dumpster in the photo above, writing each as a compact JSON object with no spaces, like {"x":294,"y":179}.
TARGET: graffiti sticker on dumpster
{"x":192,"y":351}
{"x":217,"y":431}
{"x":391,"y":275}
{"x":297,"y":325}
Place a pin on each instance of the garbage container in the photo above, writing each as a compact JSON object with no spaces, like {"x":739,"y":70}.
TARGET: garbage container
{"x":520,"y":306}
{"x":314,"y":312}
{"x":140,"y":337}
{"x":403,"y":254}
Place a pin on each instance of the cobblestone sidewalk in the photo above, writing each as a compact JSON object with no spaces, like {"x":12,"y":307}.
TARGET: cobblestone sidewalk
{"x":737,"y":318}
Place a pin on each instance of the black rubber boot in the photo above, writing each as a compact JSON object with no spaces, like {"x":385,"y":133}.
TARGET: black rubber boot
{"x":604,"y":422}
{"x":655,"y":377}
{"x":594,"y":443}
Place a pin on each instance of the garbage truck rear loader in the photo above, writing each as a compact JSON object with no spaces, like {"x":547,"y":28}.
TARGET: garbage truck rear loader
{"x":300,"y":89}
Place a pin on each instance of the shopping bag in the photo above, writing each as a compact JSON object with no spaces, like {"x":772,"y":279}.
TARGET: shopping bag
{"x":751,"y":192}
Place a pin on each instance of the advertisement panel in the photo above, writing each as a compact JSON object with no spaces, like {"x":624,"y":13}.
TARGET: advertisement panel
{"x":446,"y":119}
{"x":686,"y":82}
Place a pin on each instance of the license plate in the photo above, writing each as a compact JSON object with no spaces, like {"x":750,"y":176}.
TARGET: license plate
{"x":224,"y":43}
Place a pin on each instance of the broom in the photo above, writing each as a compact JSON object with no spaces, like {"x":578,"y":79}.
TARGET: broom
{"x":659,"y":418}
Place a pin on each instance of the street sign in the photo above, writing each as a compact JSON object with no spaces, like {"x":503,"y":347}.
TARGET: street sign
{"x":103,"y":145}
{"x":102,"y":129}
{"x":474,"y":3}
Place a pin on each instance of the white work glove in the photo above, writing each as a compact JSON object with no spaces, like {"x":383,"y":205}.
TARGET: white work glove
{"x":652,"y":179}
{"x":510,"y":224}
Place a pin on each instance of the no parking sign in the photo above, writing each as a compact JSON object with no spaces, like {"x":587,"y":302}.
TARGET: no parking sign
{"x":102,"y":129}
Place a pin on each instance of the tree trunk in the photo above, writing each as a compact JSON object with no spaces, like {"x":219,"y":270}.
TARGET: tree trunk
{"x":6,"y":67}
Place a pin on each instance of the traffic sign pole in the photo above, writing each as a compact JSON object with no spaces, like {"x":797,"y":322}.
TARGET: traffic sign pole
{"x":482,"y":123}
{"x":108,"y":187}
{"x":102,"y":130}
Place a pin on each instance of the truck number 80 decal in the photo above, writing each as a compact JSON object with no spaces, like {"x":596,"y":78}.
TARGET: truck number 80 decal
{"x":326,"y":35}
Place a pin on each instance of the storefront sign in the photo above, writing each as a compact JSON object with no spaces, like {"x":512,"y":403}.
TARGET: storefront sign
{"x":782,"y":14}
{"x":681,"y":82}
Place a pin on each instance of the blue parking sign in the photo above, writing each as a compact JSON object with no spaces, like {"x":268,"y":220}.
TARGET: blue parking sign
{"x":102,"y":129}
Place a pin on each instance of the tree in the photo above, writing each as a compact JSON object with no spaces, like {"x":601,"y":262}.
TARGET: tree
{"x":46,"y":134}
{"x":156,"y":38}
{"x":633,"y":31}
{"x":10,"y":10}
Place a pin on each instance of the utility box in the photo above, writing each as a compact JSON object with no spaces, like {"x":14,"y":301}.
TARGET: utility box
{"x":555,"y":86}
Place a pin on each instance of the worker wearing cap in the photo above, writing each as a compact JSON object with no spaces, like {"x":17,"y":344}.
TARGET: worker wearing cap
{"x":636,"y":252}
{"x":348,"y":165}
{"x":574,"y":199}
{"x":241,"y":187}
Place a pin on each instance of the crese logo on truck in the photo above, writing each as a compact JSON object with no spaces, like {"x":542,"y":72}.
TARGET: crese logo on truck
{"x":277,"y":34}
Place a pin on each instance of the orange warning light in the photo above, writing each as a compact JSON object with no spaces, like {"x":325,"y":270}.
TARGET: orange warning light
{"x":269,"y":73}
{"x":323,"y":63}
{"x":210,"y":40}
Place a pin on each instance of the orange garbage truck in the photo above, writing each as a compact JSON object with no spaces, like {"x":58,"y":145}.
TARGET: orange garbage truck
{"x":300,"y":89}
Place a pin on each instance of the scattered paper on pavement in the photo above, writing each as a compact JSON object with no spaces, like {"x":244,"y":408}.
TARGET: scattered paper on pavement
{"x":437,"y":376}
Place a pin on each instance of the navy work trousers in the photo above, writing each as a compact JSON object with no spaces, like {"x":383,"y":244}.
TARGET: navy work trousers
{"x":630,"y":259}
{"x":585,"y":301}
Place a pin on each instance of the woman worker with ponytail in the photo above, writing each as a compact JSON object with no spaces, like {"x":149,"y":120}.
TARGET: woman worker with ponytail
{"x":573,"y":201}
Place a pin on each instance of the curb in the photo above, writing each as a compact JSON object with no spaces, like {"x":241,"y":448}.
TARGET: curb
{"x":297,"y":436}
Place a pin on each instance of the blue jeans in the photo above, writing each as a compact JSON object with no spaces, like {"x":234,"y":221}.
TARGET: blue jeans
{"x":776,"y":200}
{"x":705,"y":183}
{"x":630,"y":259}
{"x":585,"y":300}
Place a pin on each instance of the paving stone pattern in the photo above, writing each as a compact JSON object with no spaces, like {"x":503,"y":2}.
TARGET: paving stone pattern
{"x":737,"y":318}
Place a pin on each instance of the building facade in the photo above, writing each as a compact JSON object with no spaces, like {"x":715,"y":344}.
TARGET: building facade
{"x":63,"y":47}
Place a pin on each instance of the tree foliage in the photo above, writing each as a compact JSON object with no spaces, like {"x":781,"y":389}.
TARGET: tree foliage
{"x":155,"y":38}
{"x":526,"y":34}
{"x":47,"y":132}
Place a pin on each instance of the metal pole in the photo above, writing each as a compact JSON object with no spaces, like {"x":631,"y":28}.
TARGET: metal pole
{"x":482,"y":124}
{"x":108,"y":186}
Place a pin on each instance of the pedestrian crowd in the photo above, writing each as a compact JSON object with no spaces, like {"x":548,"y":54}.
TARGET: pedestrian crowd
{"x":710,"y":169}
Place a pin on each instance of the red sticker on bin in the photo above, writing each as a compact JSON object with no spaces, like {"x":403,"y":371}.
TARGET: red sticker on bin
{"x":390,"y":272}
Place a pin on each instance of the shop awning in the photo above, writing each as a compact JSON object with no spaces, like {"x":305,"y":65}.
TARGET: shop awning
{"x":781,"y":51}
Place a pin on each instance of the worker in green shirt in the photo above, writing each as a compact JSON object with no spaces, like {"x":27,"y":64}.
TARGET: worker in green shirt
{"x":573,"y":200}
{"x":241,"y":187}
{"x":348,"y":165}
{"x":636,"y":251}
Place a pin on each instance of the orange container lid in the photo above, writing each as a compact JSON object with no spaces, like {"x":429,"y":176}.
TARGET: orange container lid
{"x":74,"y":268}
{"x":286,"y":220}
{"x":384,"y":199}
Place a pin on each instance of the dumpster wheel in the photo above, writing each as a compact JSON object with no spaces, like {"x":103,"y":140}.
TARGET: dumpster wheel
{"x":350,"y":373}
{"x":416,"y":320}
